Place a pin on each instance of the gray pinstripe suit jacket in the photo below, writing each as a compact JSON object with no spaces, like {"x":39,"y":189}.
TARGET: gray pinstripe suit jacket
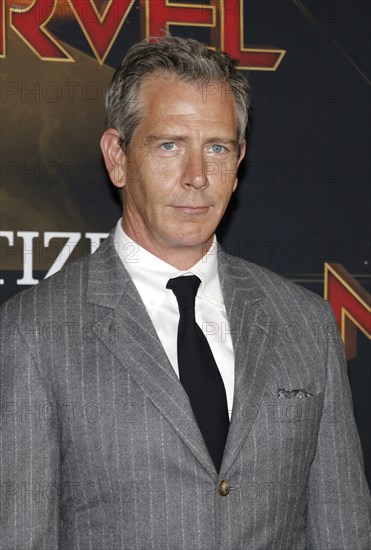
{"x":99,"y":446}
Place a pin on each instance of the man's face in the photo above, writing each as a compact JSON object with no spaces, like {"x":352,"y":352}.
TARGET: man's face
{"x":180,"y":165}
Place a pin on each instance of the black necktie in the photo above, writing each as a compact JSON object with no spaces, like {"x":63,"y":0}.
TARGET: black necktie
{"x":199,"y":374}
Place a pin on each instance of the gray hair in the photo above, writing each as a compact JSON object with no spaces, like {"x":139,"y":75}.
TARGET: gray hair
{"x":184,"y":58}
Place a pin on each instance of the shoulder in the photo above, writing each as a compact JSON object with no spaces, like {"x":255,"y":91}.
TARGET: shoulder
{"x":48,"y":294}
{"x":63,"y":291}
{"x":278,"y":290}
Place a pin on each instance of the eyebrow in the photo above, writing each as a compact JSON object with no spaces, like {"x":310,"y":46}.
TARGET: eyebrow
{"x":164,"y":137}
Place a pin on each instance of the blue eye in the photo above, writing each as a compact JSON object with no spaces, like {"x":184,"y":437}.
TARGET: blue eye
{"x":168,"y":146}
{"x":217,"y":148}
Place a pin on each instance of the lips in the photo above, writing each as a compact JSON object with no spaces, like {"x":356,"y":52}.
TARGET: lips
{"x":194,"y":206}
{"x":191,"y":209}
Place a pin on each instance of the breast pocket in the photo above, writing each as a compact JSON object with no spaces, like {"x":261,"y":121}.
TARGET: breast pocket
{"x":292,"y":424}
{"x":298,"y":410}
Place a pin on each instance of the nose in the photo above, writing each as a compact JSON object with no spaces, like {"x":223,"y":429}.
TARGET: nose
{"x":194,"y":171}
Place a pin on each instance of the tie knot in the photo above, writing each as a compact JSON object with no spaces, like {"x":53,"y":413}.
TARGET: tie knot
{"x":185,"y":289}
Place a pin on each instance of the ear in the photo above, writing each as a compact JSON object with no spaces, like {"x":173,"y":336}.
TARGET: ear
{"x":242,"y":154}
{"x":114,"y":156}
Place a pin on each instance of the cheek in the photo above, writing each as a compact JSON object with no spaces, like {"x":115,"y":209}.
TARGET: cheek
{"x":159,"y":174}
{"x":223,"y":173}
{"x":149,"y":194}
{"x":223,"y":189}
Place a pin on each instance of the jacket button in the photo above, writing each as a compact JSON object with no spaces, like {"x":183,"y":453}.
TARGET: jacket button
{"x":224,"y":487}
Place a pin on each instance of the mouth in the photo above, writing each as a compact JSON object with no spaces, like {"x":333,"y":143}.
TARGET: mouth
{"x":189,"y":209}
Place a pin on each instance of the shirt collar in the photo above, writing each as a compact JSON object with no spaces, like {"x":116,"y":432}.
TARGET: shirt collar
{"x":150,"y":274}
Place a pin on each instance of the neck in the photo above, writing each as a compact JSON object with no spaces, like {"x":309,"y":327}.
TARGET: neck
{"x":183,"y":258}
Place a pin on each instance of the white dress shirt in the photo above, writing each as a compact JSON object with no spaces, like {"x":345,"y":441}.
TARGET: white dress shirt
{"x":150,"y":275}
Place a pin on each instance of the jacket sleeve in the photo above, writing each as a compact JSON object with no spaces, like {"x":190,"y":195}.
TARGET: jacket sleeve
{"x":338,"y":509}
{"x":29,"y":449}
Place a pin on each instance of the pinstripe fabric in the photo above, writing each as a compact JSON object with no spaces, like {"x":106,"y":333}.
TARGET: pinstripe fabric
{"x":99,"y":447}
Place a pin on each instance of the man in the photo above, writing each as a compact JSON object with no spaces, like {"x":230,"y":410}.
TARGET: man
{"x":125,"y":425}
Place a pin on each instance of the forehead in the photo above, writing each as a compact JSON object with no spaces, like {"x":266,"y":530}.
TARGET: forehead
{"x":163,"y":96}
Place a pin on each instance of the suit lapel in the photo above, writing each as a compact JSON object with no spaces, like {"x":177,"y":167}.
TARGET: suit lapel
{"x":246,"y":307}
{"x":127,"y":331}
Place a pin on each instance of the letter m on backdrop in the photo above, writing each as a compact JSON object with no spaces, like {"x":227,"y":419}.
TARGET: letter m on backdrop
{"x":351,"y":304}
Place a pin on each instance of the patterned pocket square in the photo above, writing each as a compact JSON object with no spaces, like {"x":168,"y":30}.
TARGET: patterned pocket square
{"x":283,"y":394}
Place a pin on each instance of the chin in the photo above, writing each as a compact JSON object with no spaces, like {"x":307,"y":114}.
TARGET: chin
{"x":193,"y":241}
